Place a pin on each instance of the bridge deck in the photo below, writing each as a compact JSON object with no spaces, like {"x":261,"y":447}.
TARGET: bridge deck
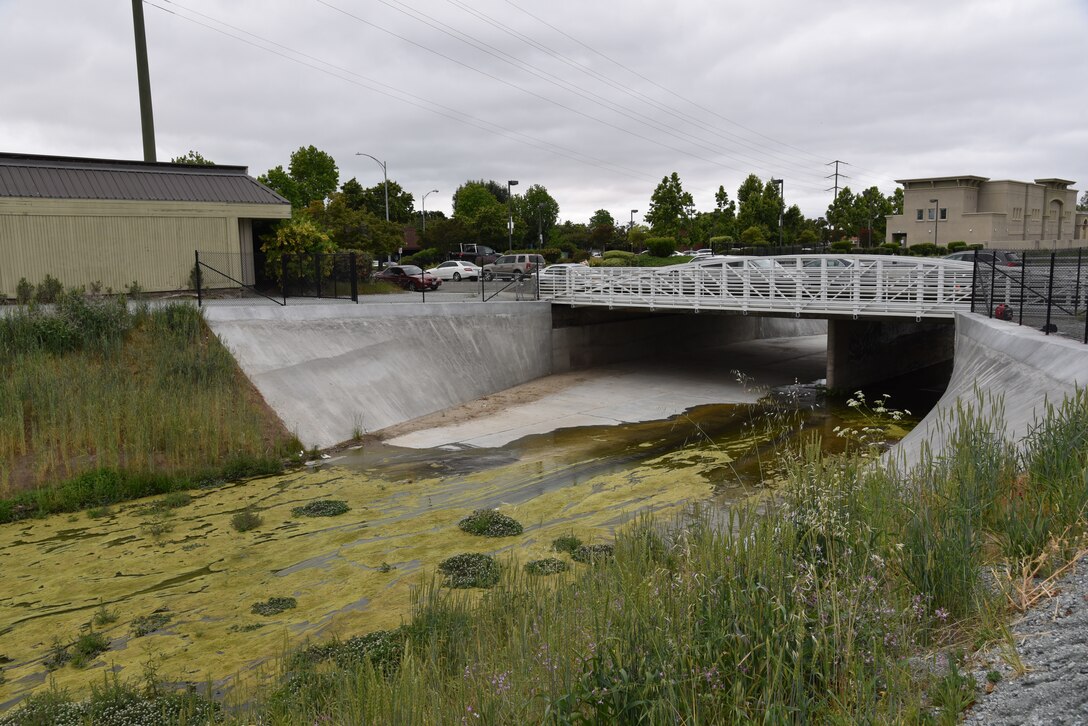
{"x":853,"y":286}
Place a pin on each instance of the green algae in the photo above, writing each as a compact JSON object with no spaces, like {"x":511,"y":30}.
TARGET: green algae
{"x":353,"y":573}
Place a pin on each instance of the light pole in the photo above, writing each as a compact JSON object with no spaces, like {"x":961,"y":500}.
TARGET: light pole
{"x":782,"y":206}
{"x":385,"y":176}
{"x":423,"y":208}
{"x":510,"y":211}
{"x":629,"y":226}
{"x":936,"y":218}
{"x":540,"y":225}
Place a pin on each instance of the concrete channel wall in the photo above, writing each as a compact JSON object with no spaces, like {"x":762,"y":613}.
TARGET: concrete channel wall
{"x":330,"y":370}
{"x":1019,"y":367}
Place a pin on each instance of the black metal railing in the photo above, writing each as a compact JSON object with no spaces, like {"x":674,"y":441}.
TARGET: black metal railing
{"x":331,"y":276}
{"x":1041,"y":289}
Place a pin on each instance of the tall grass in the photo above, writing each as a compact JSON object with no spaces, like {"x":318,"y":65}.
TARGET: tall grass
{"x":92,"y":386}
{"x":814,"y":610}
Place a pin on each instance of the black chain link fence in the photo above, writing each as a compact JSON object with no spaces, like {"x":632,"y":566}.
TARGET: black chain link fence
{"x":1044,"y":290}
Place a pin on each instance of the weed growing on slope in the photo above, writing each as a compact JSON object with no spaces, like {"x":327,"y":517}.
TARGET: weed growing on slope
{"x":490,"y":523}
{"x":321,"y":508}
{"x":470,"y":569}
{"x":273,"y":606}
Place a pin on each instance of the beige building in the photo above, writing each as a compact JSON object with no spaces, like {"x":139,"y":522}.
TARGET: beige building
{"x":1011,"y":214}
{"x":87,"y":221}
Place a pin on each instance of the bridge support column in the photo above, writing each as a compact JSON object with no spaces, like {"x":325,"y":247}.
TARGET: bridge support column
{"x":866,"y":351}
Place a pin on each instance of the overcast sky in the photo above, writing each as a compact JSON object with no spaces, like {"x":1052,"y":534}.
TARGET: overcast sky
{"x":597,"y":101}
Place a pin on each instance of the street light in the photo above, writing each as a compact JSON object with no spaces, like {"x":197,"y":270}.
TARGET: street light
{"x":936,"y":218}
{"x":540,"y":225}
{"x":629,"y":226}
{"x":423,"y":208}
{"x":782,"y":205}
{"x":385,"y":176}
{"x":510,"y":210}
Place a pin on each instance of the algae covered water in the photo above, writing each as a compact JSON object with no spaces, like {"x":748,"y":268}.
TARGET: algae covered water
{"x":175,"y":586}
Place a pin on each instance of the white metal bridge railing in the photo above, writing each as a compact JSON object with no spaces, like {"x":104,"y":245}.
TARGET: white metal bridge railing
{"x":800,"y":285}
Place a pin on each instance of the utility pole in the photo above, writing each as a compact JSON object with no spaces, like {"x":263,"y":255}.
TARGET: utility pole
{"x":836,"y":175}
{"x":143,"y":76}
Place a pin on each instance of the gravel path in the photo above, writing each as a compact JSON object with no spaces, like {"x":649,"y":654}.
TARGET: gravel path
{"x":1052,"y":640}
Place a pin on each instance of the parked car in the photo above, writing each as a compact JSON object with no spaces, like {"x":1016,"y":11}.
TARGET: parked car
{"x":409,"y":277}
{"x":989,"y":257}
{"x":512,"y":267}
{"x":456,"y":270}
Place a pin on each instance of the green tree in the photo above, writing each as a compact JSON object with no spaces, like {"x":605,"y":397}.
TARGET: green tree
{"x":372,"y":199}
{"x":311,"y":176}
{"x":298,"y":236}
{"x":841,"y":214}
{"x":539,"y":212}
{"x":194,"y":158}
{"x":753,"y":237}
{"x":758,"y":206}
{"x":671,"y":209}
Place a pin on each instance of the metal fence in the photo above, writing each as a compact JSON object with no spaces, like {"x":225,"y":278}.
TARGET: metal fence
{"x":1044,"y":290}
{"x":329,"y":276}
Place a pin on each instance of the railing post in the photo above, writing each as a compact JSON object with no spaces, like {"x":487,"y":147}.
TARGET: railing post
{"x":354,"y":279}
{"x":283,"y":278}
{"x":317,"y":272}
{"x":993,"y":279}
{"x":1076,"y":288}
{"x":1023,"y":279}
{"x":199,"y":298}
{"x":1049,"y":293}
{"x":974,"y":280}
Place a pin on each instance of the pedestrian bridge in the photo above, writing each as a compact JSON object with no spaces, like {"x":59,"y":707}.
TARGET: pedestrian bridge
{"x":826,"y":286}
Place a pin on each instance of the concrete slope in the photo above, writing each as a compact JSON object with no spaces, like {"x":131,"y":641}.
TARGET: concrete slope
{"x":997,"y":360}
{"x":329,"y":370}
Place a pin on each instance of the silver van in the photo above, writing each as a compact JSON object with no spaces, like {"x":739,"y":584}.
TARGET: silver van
{"x":513,"y":267}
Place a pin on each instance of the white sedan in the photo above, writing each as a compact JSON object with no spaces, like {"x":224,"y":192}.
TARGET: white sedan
{"x":456,"y":270}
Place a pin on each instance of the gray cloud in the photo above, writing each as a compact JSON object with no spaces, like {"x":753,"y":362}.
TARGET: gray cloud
{"x":726,"y":88}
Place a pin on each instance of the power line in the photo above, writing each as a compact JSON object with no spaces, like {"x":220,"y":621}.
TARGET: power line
{"x":400,"y":95}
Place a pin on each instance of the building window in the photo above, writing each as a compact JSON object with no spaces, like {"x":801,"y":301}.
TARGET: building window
{"x":930,"y":213}
{"x":1017,"y":214}
{"x":944,"y":212}
{"x":920,"y":215}
{"x":1035,"y":215}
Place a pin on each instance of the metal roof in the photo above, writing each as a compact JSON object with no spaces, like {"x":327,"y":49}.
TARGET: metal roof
{"x":64,"y":177}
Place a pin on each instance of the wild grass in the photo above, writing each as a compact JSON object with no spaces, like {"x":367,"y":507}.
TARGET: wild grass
{"x":817,"y":608}
{"x":102,"y":400}
{"x":845,"y":600}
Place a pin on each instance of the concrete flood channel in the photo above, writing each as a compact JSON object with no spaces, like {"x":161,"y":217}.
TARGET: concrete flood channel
{"x":354,"y":573}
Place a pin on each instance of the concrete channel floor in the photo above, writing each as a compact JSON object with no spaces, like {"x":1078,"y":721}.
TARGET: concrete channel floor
{"x":643,"y":390}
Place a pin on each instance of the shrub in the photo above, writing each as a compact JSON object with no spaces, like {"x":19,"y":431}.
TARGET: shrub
{"x":383,"y":648}
{"x":470,"y":569}
{"x":102,"y":616}
{"x":490,"y":523}
{"x":87,"y":647}
{"x":567,"y":543}
{"x":588,"y":554}
{"x":753,"y":237}
{"x":48,"y":290}
{"x":273,"y":606}
{"x":842,"y":245}
{"x":24,"y":291}
{"x":546,"y":566}
{"x":146,"y":624}
{"x":245,"y":520}
{"x":321,"y":508}
{"x":298,"y":237}
{"x":661,"y":246}
{"x":957,"y":245}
